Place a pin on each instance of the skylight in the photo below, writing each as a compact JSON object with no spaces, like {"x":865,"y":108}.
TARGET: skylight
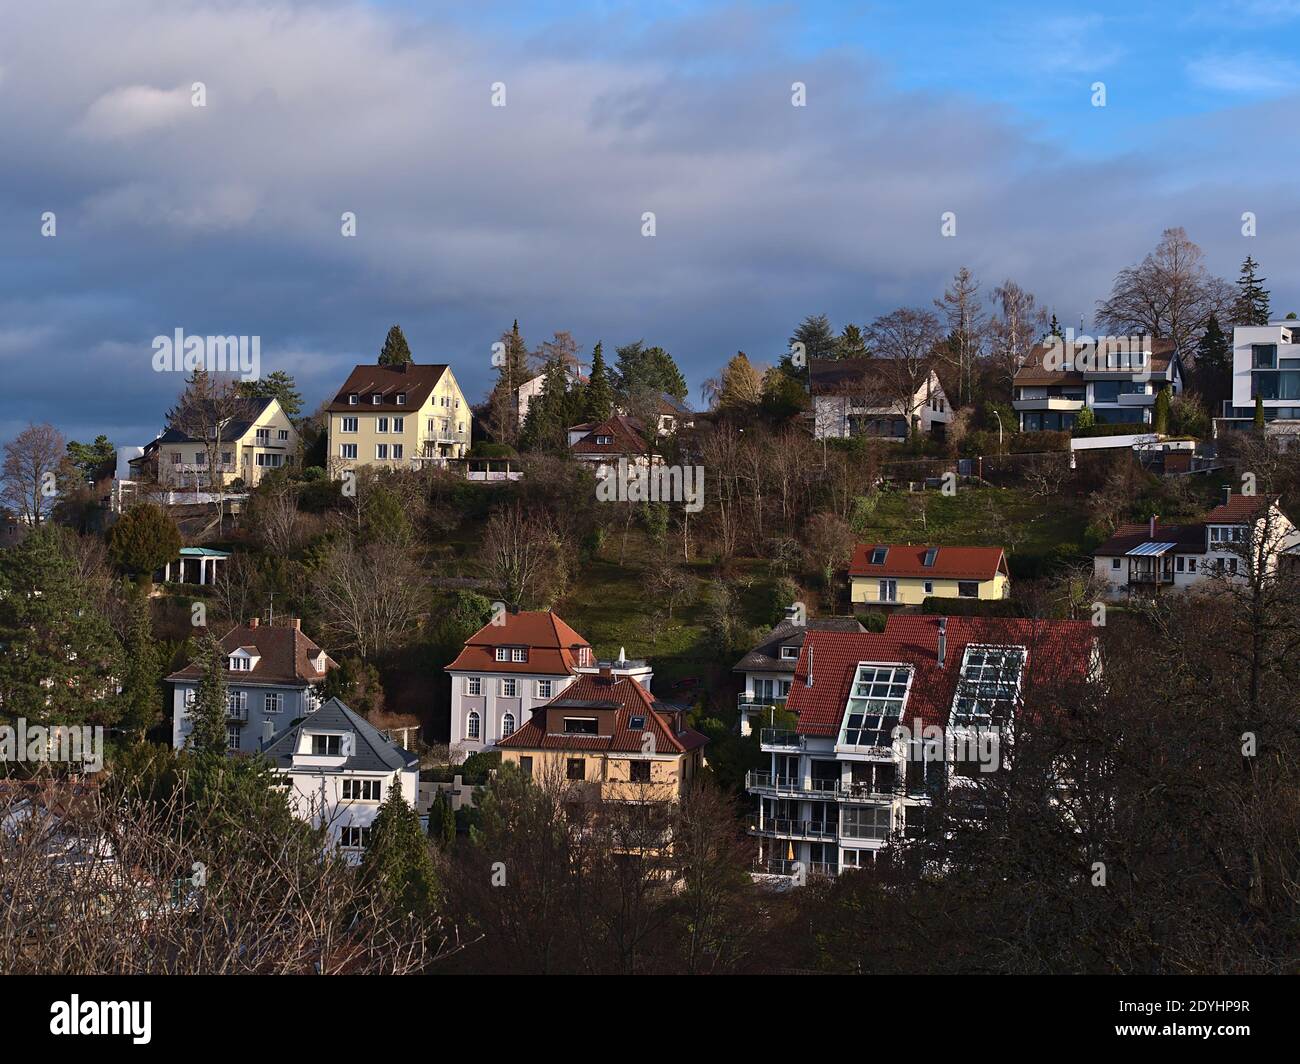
{"x":878,"y":555}
{"x":875,"y":705}
{"x":989,"y":684}
{"x":930,"y":556}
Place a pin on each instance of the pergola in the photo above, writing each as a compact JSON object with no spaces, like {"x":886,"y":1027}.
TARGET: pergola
{"x":196,"y":565}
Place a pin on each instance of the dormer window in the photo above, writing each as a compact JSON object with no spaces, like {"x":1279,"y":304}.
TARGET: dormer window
{"x":519,"y":654}
{"x":789,"y":653}
{"x":930,"y":555}
{"x":878,"y":555}
{"x":503,"y":653}
{"x":584,"y":657}
{"x":353,"y":399}
{"x":327,"y":745}
{"x":604,"y":440}
{"x":318,"y":663}
{"x":989,"y":684}
{"x":401,"y":398}
{"x":242,"y":660}
{"x":580,"y":725}
{"x":637,"y":724}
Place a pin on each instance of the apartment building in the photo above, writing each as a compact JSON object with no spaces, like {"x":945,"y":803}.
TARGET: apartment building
{"x":272,"y":674}
{"x":1265,"y":364}
{"x":1117,"y":380}
{"x":255,"y":437}
{"x":767,"y":671}
{"x":338,"y":770}
{"x":510,"y":667}
{"x":398,"y":417}
{"x":862,"y":765}
{"x":851,"y":398}
{"x":1244,"y":533}
{"x":606,"y":737}
{"x":883,"y":574}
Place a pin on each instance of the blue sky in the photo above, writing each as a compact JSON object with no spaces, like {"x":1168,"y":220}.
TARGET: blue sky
{"x":226,"y":219}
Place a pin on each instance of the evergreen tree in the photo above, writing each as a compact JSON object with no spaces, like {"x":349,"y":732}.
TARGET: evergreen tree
{"x":551,"y":412}
{"x":282,"y":387}
{"x":512,"y":373}
{"x":1214,"y":364}
{"x":1161,"y":414}
{"x":740,"y":387}
{"x":144,"y":539}
{"x":141,"y":694}
{"x":1259,"y":414}
{"x":598,"y":401}
{"x":1055,"y":329}
{"x":208,"y":737}
{"x":397,"y":865}
{"x":1251,"y":307}
{"x":58,"y":656}
{"x":442,"y":822}
{"x":817,"y":337}
{"x":395,"y":350}
{"x":647,"y":369}
{"x":93,"y":460}
{"x":851,"y":343}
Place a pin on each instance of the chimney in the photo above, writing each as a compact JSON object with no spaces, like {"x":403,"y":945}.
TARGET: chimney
{"x":296,"y":623}
{"x":254,"y":622}
{"x":606,"y":673}
{"x":943,"y":640}
{"x":1227,"y":494}
{"x":1151,"y":527}
{"x":808,"y":677}
{"x":268,"y":730}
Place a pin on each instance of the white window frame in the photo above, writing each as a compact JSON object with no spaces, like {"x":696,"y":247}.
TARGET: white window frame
{"x":348,"y":424}
{"x":544,"y":688}
{"x":474,"y":685}
{"x":509,"y":687}
{"x":473,"y":726}
{"x":348,"y":451}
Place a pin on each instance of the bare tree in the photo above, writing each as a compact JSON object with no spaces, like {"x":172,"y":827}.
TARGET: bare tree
{"x":371,"y":596}
{"x":903,"y":343}
{"x":33,"y":463}
{"x":1014,"y":330}
{"x":278,"y":519}
{"x":966,"y":329}
{"x":519,"y":549}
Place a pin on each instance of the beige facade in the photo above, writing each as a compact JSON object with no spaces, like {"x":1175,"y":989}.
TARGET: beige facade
{"x":608,"y":775}
{"x":914,"y":590}
{"x":395,"y":438}
{"x":269,"y":442}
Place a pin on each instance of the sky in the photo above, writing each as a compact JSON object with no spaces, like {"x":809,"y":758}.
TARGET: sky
{"x":227,"y":218}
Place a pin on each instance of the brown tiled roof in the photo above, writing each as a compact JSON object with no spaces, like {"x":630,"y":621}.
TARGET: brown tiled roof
{"x":1239,"y":508}
{"x":950,"y":563}
{"x":623,"y":430}
{"x":621,"y":693}
{"x":1192,"y":536}
{"x":286,"y":656}
{"x":1034,"y":372}
{"x":766,"y":656}
{"x":552,"y":645}
{"x":387,"y":381}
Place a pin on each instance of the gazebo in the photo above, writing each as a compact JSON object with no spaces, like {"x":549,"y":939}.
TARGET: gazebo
{"x":196,"y":565}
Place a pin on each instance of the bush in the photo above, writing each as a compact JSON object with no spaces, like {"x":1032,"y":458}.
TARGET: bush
{"x":959,"y":607}
{"x":1135,"y":428}
{"x":1033,"y":442}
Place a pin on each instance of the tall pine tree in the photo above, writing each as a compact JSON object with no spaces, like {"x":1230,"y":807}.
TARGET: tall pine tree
{"x":1251,"y":307}
{"x":598,"y":399}
{"x":141,"y":693}
{"x":1214,"y":365}
{"x":511,"y":360}
{"x":395,"y":350}
{"x":397,"y":868}
{"x":208,"y":737}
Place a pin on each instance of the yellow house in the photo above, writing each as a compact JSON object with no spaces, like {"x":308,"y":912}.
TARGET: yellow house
{"x":257,"y":437}
{"x":893,"y":575}
{"x":396,"y":417}
{"x":606,"y":737}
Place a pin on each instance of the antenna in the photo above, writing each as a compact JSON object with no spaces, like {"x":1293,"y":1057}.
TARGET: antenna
{"x":271,"y":619}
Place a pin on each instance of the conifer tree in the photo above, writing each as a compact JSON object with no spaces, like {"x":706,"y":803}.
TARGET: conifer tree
{"x":395,"y":350}
{"x":141,"y":694}
{"x":512,"y":373}
{"x":1161,"y":415}
{"x":397,"y":865}
{"x":1251,"y":307}
{"x":598,"y":399}
{"x":208,"y":737}
{"x":1214,"y":364}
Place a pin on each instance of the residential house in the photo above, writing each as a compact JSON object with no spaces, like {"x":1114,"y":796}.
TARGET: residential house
{"x":272,"y":672}
{"x":257,"y":437}
{"x":671,"y":415}
{"x":896,"y":575}
{"x":606,"y":737}
{"x":1117,"y":381}
{"x":768,"y":670}
{"x":603,"y":443}
{"x":885,"y":720}
{"x":339,"y":769}
{"x":532,"y":387}
{"x":1150,"y":558}
{"x":1265,"y":364}
{"x":507,"y":669}
{"x":397,"y":417}
{"x":851,"y":398}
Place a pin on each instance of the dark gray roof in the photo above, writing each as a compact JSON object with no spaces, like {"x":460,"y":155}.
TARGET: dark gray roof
{"x":766,"y":656}
{"x":371,"y":752}
{"x":244,"y":411}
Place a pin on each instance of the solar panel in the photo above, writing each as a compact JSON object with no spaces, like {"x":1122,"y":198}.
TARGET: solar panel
{"x":1150,"y":549}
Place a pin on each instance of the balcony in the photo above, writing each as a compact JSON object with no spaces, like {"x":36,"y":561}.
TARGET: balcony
{"x":777,"y":866}
{"x":1136,"y":399}
{"x":790,"y":786}
{"x":778,"y":739}
{"x":792,"y":829}
{"x":237,"y":714}
{"x":1054,"y":402}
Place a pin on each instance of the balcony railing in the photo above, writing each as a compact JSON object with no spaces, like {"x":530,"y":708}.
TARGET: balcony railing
{"x":792,"y":829}
{"x":237,"y":714}
{"x":783,"y":740}
{"x":776,"y":866}
{"x":766,"y":781}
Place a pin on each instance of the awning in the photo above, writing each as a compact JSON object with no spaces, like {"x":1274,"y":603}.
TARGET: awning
{"x":1147,"y":550}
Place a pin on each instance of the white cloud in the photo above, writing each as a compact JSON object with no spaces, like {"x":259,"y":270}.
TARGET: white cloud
{"x":1244,"y":72}
{"x":136,"y":109}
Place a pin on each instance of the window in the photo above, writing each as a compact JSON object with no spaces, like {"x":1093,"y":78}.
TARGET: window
{"x":875,"y":704}
{"x":858,"y":858}
{"x":1115,"y":563}
{"x":240,"y":664}
{"x":401,"y":400}
{"x":353,"y":838}
{"x":888,"y":590}
{"x":789,"y":653}
{"x":968,"y":589}
{"x":472,"y":725}
{"x":399,"y":424}
{"x":507,"y":725}
{"x":353,"y":399}
{"x":878,"y":555}
{"x":510,"y":687}
{"x":397,"y":451}
{"x":576,"y":768}
{"x":579,"y":725}
{"x":381,"y":450}
{"x":263,"y":435}
{"x":272,"y":461}
{"x":1191,"y":565}
{"x":361,"y":790}
{"x":190,"y":695}
{"x":930,"y":556}
{"x":989,"y":684}
{"x":282,"y":434}
{"x":473,"y":685}
{"x":347,"y":450}
{"x":381,"y":424}
{"x":327,"y":745}
{"x":638,"y":771}
{"x":636,"y":724}
{"x":929,"y":587}
{"x":232,"y":738}
{"x":227,"y":457}
{"x":1263,"y":356}
{"x":605,"y":440}
{"x":865,"y":822}
{"x":349,"y":424}
{"x":518,"y":653}
{"x":544,"y":688}
{"x":503,"y":653}
{"x":176,"y":457}
{"x":429,"y":426}
{"x":375,"y":400}
{"x":236,"y":702}
{"x":526,"y":765}
{"x":584,"y":657}
{"x":1178,"y":564}
{"x":200,"y":458}
{"x":272,"y":702}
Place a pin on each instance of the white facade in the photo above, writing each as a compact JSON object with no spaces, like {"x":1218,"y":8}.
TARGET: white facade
{"x":842,"y":416}
{"x":1266,"y":362}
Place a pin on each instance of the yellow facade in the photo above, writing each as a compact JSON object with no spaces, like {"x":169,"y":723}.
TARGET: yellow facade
{"x":911,"y":590}
{"x":395,"y":439}
{"x":609,"y":775}
{"x":271,"y":442}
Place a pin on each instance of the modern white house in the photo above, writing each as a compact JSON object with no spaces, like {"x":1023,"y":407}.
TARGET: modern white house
{"x":506,"y":669}
{"x":849,"y":398}
{"x":1265,"y":363}
{"x":272,"y":672}
{"x":845,"y":782}
{"x":339,"y":769}
{"x":767,"y":671}
{"x":1117,"y":379}
{"x":1243,"y":531}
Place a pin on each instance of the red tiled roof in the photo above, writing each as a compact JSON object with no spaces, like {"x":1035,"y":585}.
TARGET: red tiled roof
{"x":1058,"y":651}
{"x":626,"y":438}
{"x":622,"y":693}
{"x":1238,"y":508}
{"x":952,"y":563}
{"x":414,"y":381}
{"x":552,"y":645}
{"x":286,"y":656}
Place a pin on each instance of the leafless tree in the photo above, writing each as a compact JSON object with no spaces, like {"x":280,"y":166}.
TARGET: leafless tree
{"x":278,"y":519}
{"x":371,"y":596}
{"x":903,"y":343}
{"x":1015,"y":328}
{"x":519,"y":551}
{"x":966,"y":330}
{"x":34,"y":461}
